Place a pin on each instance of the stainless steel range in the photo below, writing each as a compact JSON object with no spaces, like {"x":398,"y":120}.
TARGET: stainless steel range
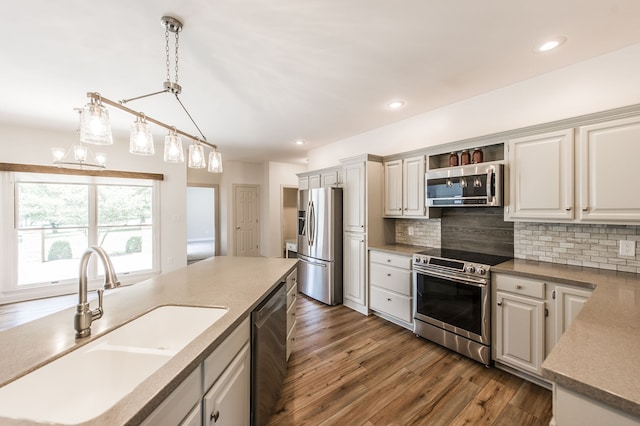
{"x":452,"y":300}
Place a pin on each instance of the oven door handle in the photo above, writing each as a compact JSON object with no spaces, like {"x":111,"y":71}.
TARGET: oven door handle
{"x":469,"y":281}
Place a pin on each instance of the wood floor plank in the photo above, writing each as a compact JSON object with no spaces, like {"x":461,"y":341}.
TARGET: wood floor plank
{"x":351,"y":369}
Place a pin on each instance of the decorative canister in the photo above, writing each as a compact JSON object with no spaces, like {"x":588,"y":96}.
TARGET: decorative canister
{"x":478,"y":156}
{"x":453,"y":159}
{"x":465,"y":158}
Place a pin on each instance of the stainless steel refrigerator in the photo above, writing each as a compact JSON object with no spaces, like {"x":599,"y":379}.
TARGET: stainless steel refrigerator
{"x":320,"y":244}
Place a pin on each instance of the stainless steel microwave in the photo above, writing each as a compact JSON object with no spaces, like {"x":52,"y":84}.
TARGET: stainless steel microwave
{"x":473,"y":185}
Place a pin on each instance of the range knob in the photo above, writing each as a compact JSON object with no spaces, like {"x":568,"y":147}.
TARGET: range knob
{"x":470,"y":269}
{"x":424,"y":260}
{"x":481,"y":271}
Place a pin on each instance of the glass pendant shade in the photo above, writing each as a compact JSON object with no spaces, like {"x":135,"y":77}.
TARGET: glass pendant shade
{"x":94,"y":124}
{"x":58,"y":154}
{"x":101,"y":159}
{"x":215,"y":162}
{"x":173,"y":148}
{"x":141,"y":139}
{"x":79,"y":153}
{"x":196,"y":157}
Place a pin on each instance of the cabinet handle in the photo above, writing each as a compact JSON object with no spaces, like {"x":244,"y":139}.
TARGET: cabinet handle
{"x":215,"y":416}
{"x":388,"y":260}
{"x":519,"y":287}
{"x":499,"y":303}
{"x":568,"y":209}
{"x":585,"y":209}
{"x":388,"y":300}
{"x":388,"y":275}
{"x":400,"y":209}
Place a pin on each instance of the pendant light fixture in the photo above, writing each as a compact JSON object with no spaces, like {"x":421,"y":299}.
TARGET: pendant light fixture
{"x":95,"y":127}
{"x":141,"y":139}
{"x":173,"y":148}
{"x":79,"y":156}
{"x":94,"y":124}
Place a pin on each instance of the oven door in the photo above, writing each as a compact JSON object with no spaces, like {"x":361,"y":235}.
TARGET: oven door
{"x":456,"y":304}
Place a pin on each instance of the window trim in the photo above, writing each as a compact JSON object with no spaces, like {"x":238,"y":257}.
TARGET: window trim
{"x":9,"y":290}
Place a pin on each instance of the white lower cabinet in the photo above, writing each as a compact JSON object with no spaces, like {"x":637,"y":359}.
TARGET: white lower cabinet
{"x":292,"y":294}
{"x":354,"y":272}
{"x":520,"y":332}
{"x":390,"y":287}
{"x":227,"y":402}
{"x":529,"y":316}
{"x":224,"y":376}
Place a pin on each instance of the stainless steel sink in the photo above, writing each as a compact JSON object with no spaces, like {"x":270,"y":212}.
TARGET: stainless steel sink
{"x":88,"y":381}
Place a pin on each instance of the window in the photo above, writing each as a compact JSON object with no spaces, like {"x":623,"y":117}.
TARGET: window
{"x":56,"y":217}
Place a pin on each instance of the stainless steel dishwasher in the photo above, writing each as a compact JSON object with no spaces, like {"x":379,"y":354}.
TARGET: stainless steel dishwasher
{"x":268,"y":361}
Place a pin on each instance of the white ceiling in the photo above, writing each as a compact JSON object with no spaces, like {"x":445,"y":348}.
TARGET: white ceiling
{"x":259,"y":74}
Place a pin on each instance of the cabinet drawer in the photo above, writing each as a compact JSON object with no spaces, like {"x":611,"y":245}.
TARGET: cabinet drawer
{"x":391,"y":303}
{"x":292,"y":278}
{"x":391,"y":259}
{"x":291,"y":339}
{"x":220,"y":358}
{"x":291,"y":316}
{"x":291,"y":296}
{"x":519,"y":285}
{"x":394,"y":279}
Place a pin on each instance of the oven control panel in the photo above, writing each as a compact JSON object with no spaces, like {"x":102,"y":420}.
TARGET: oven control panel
{"x":426,"y":261}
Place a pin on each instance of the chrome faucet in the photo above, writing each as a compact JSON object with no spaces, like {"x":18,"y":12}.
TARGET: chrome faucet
{"x":84,"y":316}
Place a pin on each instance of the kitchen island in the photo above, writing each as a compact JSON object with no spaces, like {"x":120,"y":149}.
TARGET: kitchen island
{"x":236,"y":283}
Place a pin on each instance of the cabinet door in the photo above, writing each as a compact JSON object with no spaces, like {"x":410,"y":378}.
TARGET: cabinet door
{"x":413,"y":186}
{"x":314,"y":181}
{"x":608,"y":171}
{"x":227,"y":403}
{"x":303,"y":182}
{"x":520,"y":332}
{"x":354,"y":274}
{"x":354,"y":198}
{"x":569,"y":303}
{"x":329,"y":179}
{"x":393,"y":188}
{"x":541,"y":177}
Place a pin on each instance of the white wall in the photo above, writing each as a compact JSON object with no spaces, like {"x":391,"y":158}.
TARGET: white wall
{"x":33,"y":146}
{"x":605,"y":82}
{"x":276,"y":175}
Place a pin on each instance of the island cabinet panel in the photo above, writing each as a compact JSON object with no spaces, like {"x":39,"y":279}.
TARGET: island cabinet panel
{"x":224,"y":376}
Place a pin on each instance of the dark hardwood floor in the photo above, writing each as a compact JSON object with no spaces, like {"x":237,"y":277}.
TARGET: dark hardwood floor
{"x":348,"y":369}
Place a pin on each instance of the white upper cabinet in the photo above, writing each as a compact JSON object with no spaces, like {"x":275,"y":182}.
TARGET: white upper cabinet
{"x":545,"y":187}
{"x":413,"y":186}
{"x":355,"y":197}
{"x":393,"y":188}
{"x":404,"y":187}
{"x":608,"y":155}
{"x":541,"y":177}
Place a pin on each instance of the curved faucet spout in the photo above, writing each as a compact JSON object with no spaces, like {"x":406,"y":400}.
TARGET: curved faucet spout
{"x":84,"y":316}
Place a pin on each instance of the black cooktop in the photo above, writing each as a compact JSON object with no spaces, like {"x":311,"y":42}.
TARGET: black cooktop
{"x":466,"y":256}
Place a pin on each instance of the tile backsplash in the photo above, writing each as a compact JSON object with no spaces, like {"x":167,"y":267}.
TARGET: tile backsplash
{"x":595,"y":246}
{"x":425,"y":232}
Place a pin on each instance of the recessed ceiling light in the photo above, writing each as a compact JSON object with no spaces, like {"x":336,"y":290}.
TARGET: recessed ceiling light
{"x":550,"y":44}
{"x":299,"y":142}
{"x":397,"y":104}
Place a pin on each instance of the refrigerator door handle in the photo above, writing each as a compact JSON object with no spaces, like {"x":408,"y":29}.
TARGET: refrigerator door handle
{"x":308,"y":223}
{"x":323,"y":265}
{"x":313,"y":223}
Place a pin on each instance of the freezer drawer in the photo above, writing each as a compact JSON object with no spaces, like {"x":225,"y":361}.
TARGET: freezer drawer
{"x":318,"y":279}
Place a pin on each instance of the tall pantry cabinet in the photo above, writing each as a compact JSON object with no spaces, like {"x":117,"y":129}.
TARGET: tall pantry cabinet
{"x":363,"y":225}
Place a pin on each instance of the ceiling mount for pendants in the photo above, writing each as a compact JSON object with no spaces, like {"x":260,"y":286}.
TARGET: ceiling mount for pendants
{"x":171,"y":24}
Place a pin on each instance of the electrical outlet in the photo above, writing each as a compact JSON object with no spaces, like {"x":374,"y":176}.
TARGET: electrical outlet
{"x":627,"y":248}
{"x":410,"y":230}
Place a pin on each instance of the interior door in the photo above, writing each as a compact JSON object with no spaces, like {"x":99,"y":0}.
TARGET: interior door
{"x":247,"y":232}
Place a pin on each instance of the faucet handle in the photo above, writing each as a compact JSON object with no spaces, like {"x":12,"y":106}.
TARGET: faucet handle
{"x":97,"y":313}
